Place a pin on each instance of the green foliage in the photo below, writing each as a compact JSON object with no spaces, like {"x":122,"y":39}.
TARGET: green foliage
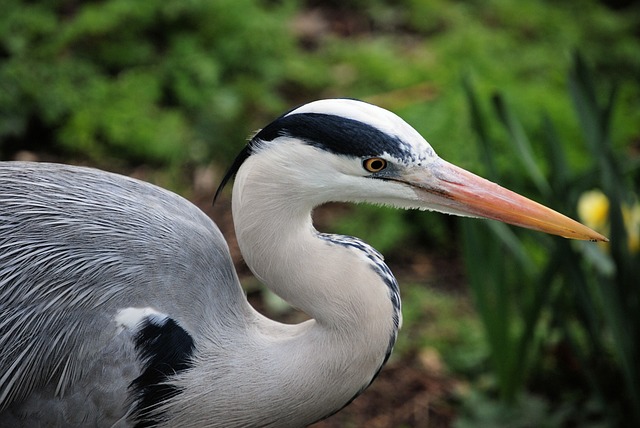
{"x":382,"y":226}
{"x":442,"y":321}
{"x":163,"y":81}
{"x":576,"y":295}
{"x":531,"y":411}
{"x":615,"y":293}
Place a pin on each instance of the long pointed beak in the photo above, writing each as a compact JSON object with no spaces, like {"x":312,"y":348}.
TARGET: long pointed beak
{"x":448,"y":188}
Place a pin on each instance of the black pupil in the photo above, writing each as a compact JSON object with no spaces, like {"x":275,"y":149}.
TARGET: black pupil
{"x":376,"y":164}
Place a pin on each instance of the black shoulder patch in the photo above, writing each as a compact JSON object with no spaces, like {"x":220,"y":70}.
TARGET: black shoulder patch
{"x":164,"y":349}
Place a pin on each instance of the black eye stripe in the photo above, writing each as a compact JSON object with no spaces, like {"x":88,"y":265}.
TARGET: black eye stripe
{"x":335,"y":134}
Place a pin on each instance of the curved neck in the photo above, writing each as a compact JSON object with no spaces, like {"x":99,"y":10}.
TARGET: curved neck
{"x":337,"y":285}
{"x":355,"y":313}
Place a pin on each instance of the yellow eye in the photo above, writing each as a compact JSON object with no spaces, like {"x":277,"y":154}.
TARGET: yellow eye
{"x":374,"y":164}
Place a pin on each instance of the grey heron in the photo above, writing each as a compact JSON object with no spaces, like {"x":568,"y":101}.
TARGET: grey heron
{"x":120,"y":306}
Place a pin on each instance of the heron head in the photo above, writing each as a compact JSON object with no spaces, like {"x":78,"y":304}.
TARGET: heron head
{"x":348,"y":150}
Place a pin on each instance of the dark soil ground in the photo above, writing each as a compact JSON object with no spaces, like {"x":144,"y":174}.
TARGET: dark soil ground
{"x":404,"y":395}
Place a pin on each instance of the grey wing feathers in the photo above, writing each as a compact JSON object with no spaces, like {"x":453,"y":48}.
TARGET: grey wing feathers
{"x":76,"y":246}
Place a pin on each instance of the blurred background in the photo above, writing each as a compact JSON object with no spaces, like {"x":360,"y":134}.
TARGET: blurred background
{"x":502,"y":327}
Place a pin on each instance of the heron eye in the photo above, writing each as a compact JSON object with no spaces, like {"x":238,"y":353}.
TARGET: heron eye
{"x":374,"y":164}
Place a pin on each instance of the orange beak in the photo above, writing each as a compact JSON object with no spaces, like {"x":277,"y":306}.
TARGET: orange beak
{"x":450,"y":189}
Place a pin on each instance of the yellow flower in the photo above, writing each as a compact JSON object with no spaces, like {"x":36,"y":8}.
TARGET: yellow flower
{"x":631,"y":217}
{"x":593,"y":210}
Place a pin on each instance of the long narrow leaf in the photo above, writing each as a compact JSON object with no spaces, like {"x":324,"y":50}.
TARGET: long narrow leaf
{"x":484,"y":260}
{"x":555,"y":153}
{"x":479,"y":125}
{"x":522,"y":144}
{"x":513,"y":245}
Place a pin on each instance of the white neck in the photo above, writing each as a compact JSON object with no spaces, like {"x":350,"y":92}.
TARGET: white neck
{"x":354,"y":320}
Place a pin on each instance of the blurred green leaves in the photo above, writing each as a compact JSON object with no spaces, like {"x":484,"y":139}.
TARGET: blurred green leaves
{"x":160,"y":81}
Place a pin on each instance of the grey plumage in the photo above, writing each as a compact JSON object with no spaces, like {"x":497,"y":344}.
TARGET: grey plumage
{"x":66,"y":231}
